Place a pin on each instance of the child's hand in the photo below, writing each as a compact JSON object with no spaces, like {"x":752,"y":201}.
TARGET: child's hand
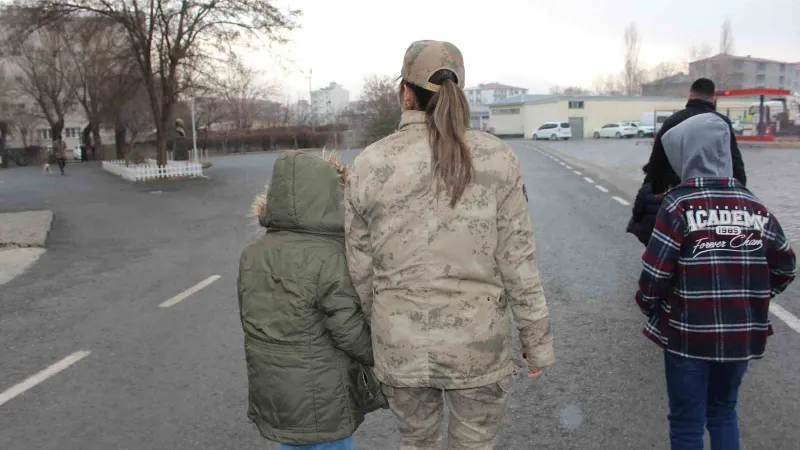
{"x":532,"y":372}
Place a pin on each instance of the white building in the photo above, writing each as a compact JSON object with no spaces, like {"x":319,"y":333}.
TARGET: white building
{"x":521,"y":116}
{"x":483,"y":95}
{"x":328,"y":102}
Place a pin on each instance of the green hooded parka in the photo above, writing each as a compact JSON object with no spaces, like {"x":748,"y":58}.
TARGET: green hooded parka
{"x":307,"y":343}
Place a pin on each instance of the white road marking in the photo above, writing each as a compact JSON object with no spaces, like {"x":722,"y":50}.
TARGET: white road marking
{"x":588,"y":180}
{"x":33,"y":380}
{"x":562,"y":163}
{"x":621,"y":201}
{"x":601,"y":188}
{"x":784,"y":315}
{"x":576,"y":172}
{"x":568,"y":167}
{"x":185,"y":294}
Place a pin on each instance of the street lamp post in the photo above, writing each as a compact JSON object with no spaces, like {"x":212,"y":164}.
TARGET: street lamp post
{"x":194,"y":135}
{"x":310,"y":100}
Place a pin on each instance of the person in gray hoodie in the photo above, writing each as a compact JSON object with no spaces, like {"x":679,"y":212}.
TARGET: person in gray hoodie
{"x":716,"y":258}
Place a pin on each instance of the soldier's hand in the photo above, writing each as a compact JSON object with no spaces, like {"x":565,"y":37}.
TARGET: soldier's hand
{"x":534,"y":372}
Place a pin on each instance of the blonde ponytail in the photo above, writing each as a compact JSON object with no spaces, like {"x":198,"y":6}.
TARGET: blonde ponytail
{"x":447,"y":116}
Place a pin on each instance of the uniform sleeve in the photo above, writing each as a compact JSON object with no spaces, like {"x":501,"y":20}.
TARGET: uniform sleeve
{"x":660,"y":260}
{"x":359,"y":252}
{"x":515,"y":257}
{"x":780,"y":258}
{"x":343,"y":316}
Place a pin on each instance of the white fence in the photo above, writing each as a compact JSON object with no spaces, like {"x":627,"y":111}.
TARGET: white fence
{"x":152,"y":171}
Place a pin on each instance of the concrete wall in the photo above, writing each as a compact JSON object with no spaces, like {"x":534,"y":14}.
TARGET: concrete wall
{"x":536,"y":115}
{"x":597,"y":113}
{"x":506,"y":121}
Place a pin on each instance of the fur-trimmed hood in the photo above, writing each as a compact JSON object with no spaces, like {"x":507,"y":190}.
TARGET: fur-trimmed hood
{"x":306,"y":193}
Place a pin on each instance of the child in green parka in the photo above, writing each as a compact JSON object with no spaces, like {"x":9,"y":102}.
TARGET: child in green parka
{"x":307,"y":342}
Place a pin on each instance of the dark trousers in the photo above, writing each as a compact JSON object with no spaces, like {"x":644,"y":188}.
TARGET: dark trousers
{"x":702,"y":394}
{"x":62,"y":162}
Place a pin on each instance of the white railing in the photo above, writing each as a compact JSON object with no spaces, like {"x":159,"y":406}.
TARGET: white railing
{"x":152,"y":171}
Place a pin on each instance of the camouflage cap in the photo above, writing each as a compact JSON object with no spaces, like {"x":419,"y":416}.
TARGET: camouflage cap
{"x":424,"y":58}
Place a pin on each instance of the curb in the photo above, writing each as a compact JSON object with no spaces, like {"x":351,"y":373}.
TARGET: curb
{"x":25,"y":229}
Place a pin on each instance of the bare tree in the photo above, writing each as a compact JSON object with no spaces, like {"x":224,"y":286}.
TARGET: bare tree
{"x":569,"y":90}
{"x":130,"y":115}
{"x":726,"y":38}
{"x":632,"y":73}
{"x":44,"y":71}
{"x":136,"y":119}
{"x":209,"y":112}
{"x":101,"y":66}
{"x":25,"y":125}
{"x":381,"y":106}
{"x":243,"y":95}
{"x":609,"y":85}
{"x":296,"y":117}
{"x":665,"y":69}
{"x":698,"y":53}
{"x":172,"y":39}
{"x":5,"y":119}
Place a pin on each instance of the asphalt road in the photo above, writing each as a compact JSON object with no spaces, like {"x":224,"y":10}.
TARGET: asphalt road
{"x":174,"y":378}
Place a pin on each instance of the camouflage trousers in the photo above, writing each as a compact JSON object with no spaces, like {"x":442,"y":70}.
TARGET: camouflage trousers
{"x":475,"y":415}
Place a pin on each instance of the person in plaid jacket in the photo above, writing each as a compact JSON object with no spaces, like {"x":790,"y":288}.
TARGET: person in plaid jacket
{"x":716,"y":258}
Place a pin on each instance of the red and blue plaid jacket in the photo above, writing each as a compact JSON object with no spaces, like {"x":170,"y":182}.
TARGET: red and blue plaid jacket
{"x":714,"y":262}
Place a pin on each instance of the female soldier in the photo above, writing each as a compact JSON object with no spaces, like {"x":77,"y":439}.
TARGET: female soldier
{"x":439,"y":239}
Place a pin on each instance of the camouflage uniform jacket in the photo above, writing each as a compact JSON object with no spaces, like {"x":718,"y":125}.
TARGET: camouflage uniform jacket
{"x":435,"y":281}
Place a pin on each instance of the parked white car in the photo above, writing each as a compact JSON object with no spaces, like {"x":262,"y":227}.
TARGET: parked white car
{"x":616,"y":130}
{"x":642,"y":130}
{"x":553,"y":131}
{"x":655,"y":119}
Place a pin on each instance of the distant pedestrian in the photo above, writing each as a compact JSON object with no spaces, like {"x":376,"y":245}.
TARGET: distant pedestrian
{"x":716,"y":259}
{"x":60,"y":150}
{"x":307,"y":343}
{"x":440,"y":243}
{"x":659,"y":175}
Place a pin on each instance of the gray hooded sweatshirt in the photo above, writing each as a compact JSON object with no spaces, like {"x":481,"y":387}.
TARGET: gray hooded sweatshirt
{"x":700,"y":146}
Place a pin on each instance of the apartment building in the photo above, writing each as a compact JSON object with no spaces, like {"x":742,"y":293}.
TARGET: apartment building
{"x":328,"y":102}
{"x":483,"y":95}
{"x":740,"y":72}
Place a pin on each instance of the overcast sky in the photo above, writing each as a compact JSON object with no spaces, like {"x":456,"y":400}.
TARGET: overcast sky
{"x":532,"y":44}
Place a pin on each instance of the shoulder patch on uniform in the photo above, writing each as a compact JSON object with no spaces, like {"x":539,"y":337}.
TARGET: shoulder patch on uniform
{"x":525,"y":192}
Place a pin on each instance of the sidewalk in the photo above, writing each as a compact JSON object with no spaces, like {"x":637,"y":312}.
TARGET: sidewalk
{"x":23,"y":236}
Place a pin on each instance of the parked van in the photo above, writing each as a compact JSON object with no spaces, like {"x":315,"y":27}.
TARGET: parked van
{"x":655,"y":119}
{"x":553,"y":131}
